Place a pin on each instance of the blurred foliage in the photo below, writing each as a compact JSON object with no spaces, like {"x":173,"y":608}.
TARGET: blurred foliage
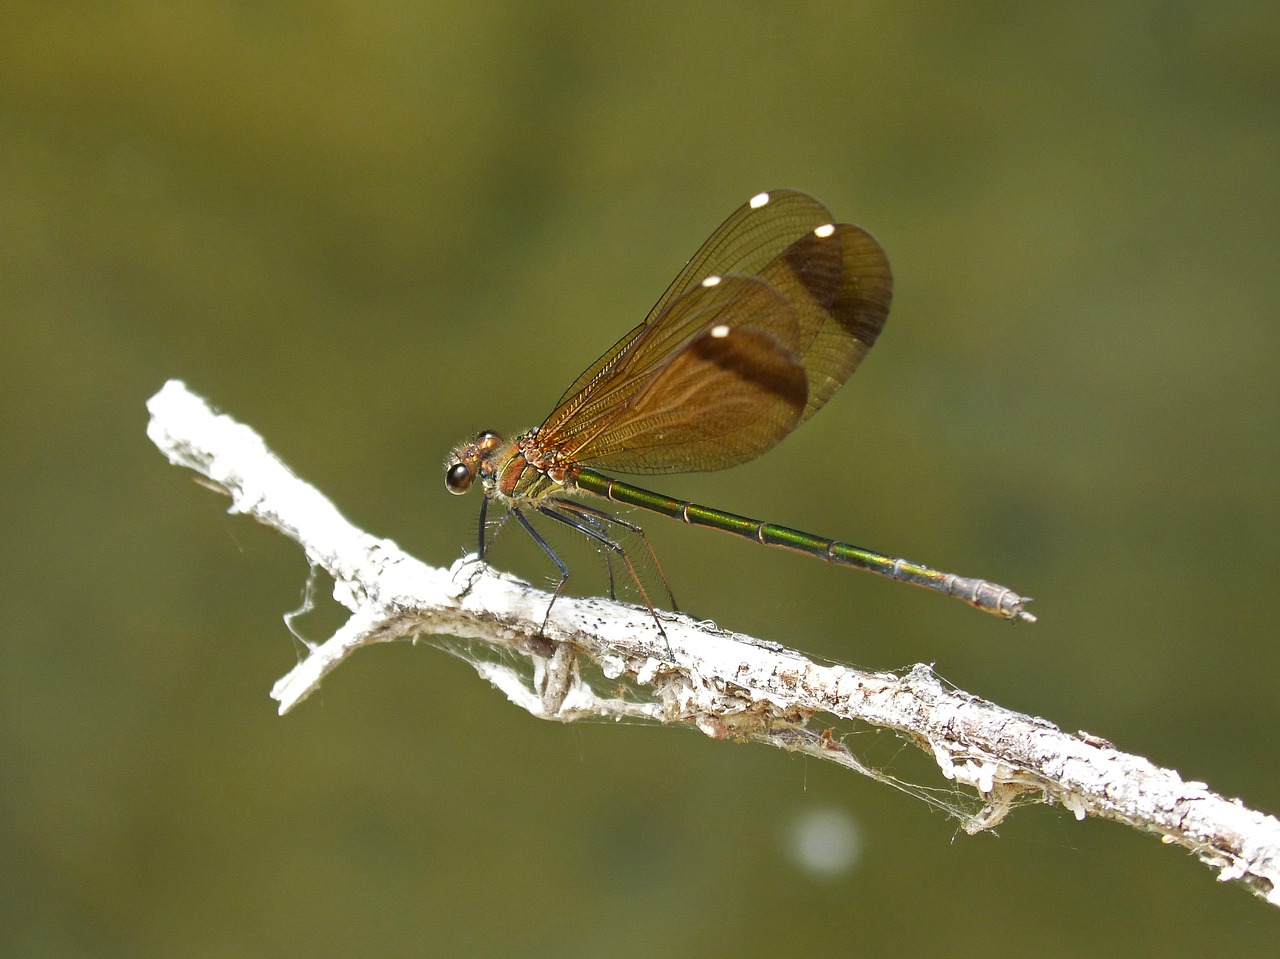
{"x":370,"y":230}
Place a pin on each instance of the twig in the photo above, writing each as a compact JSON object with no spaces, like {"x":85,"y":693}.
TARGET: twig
{"x":597,"y":658}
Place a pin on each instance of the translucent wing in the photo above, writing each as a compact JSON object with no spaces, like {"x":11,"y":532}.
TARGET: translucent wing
{"x":721,"y":388}
{"x":766,"y":321}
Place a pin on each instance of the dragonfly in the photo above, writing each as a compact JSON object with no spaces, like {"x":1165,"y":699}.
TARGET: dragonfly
{"x":762,"y":326}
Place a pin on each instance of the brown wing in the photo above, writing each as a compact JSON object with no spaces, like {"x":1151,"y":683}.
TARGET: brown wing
{"x":729,"y":390}
{"x":765,"y":322}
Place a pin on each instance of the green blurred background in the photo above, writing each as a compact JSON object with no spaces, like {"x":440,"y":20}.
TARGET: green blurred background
{"x":370,"y":230}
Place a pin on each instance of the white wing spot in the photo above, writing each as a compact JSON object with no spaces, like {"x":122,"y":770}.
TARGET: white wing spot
{"x":712,"y":280}
{"x":825,"y":230}
{"x":720,"y":331}
{"x":759,"y":200}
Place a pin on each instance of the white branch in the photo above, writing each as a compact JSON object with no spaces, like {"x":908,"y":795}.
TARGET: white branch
{"x":597,"y":658}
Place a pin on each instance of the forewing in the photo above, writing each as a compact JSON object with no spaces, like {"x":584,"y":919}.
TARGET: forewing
{"x":728,"y":393}
{"x":753,"y":235}
{"x":779,"y":299}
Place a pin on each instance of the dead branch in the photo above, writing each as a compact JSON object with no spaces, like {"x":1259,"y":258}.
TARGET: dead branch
{"x":597,"y":658}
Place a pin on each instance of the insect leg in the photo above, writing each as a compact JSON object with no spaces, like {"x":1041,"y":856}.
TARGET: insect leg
{"x":589,"y":527}
{"x":488,"y":540}
{"x":555,"y":558}
{"x":484,"y":509}
{"x":599,"y":527}
{"x":606,"y":517}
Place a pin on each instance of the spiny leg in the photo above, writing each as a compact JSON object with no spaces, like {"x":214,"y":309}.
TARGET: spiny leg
{"x":599,"y":527}
{"x":484,"y":509}
{"x":480,"y":544}
{"x":555,"y":558}
{"x":487,"y":540}
{"x":587,"y":528}
{"x":606,"y":517}
{"x":559,"y":670}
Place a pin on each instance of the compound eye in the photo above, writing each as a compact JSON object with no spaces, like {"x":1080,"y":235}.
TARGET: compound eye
{"x":457,"y":479}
